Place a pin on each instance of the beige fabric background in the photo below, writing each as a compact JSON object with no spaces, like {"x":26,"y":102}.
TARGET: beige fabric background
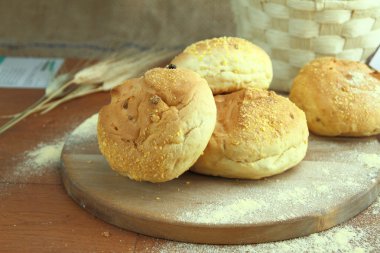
{"x":88,"y":28}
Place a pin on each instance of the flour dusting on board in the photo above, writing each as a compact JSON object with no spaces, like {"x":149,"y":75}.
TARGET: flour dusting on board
{"x":292,"y":195}
{"x":339,"y":239}
{"x":370,"y":160}
{"x":343,"y":238}
{"x":284,"y":197}
{"x":221,"y":212}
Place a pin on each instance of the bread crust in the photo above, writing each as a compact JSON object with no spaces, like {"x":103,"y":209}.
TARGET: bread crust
{"x":258,"y":134}
{"x":339,"y":97}
{"x":228,"y":64}
{"x":157,"y":126}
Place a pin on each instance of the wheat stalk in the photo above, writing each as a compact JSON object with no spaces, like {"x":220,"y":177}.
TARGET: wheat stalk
{"x":115,"y":74}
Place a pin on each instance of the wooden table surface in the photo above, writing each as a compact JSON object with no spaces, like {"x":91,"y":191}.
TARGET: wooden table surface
{"x":36,"y":214}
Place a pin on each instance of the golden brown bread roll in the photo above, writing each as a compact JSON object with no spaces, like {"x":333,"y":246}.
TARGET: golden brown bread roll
{"x":339,"y":97}
{"x":258,"y":134}
{"x":157,"y":126}
{"x":228,"y":64}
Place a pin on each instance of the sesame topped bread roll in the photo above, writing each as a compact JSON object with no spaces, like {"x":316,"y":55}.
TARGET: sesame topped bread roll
{"x":339,"y":97}
{"x":158,"y":125}
{"x":228,"y":64}
{"x":258,"y":134}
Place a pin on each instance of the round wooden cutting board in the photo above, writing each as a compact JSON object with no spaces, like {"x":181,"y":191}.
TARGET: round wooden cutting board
{"x":338,"y":179}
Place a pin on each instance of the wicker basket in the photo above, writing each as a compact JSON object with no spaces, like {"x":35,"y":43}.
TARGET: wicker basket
{"x":293,"y":32}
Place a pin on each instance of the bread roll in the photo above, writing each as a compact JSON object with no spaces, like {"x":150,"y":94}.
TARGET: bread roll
{"x":339,"y":97}
{"x":258,"y":134}
{"x":157,"y":126}
{"x":228,"y":64}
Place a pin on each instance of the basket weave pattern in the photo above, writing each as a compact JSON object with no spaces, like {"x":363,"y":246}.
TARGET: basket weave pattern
{"x":293,"y":32}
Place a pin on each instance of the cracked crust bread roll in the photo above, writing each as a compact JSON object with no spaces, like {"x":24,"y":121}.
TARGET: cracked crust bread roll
{"x":228,"y":64}
{"x":157,"y":126}
{"x":258,"y":134}
{"x":339,"y":97}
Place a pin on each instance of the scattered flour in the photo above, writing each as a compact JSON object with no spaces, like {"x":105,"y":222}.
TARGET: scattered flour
{"x":289,"y":197}
{"x":284,"y":197}
{"x":220,"y":212}
{"x":375,"y":207}
{"x":370,"y":160}
{"x":345,"y":239}
{"x":38,"y":160}
{"x":48,"y":155}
